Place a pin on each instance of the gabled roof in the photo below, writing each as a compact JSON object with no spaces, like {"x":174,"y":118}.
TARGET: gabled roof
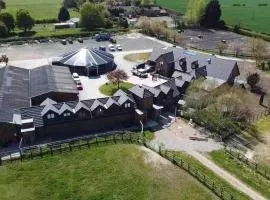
{"x":96,"y":104}
{"x":140,"y":92}
{"x":179,"y":82}
{"x":110,"y":102}
{"x":48,"y":108}
{"x":165,"y":88}
{"x":80,"y":106}
{"x":65,"y":108}
{"x":48,"y":101}
{"x":155,"y":91}
{"x":215,"y":67}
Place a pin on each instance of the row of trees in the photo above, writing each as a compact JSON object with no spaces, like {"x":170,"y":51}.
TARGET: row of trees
{"x":205,"y":13}
{"x":159,"y":29}
{"x":23,"y":21}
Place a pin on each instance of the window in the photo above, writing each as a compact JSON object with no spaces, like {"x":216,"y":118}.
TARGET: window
{"x":161,"y":63}
{"x":127,"y":105}
{"x":50,"y":116}
{"x":67,"y":114}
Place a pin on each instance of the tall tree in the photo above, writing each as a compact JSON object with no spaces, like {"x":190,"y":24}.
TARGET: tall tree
{"x":2,"y":4}
{"x":63,"y":14}
{"x":211,"y":17}
{"x":8,"y":20}
{"x":92,"y":16}
{"x":24,"y":20}
{"x":195,"y":11}
{"x":3,"y":30}
{"x":117,"y":76}
{"x":253,"y":79}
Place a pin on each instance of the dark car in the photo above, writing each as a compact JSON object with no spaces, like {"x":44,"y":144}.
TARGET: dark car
{"x":102,"y":48}
{"x":139,"y":74}
{"x":103,"y":37}
{"x":139,"y":66}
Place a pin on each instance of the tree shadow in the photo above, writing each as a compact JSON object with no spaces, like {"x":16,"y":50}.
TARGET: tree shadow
{"x":27,"y":34}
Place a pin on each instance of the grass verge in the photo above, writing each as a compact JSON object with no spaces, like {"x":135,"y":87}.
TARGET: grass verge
{"x":208,"y":172}
{"x":242,"y":172}
{"x":107,"y":172}
{"x":137,"y":57}
{"x":109,"y":89}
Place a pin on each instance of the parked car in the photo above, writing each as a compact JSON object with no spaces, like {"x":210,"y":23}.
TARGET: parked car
{"x":111,"y":47}
{"x":64,"y":42}
{"x":145,"y":69}
{"x":102,"y":48}
{"x":75,"y":77}
{"x":103,"y":37}
{"x":139,"y":66}
{"x":80,"y":40}
{"x":118,"y":47}
{"x":139,"y":74}
{"x":79,"y":84}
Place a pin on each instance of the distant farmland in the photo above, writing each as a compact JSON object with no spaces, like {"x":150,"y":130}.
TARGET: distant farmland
{"x":251,"y":16}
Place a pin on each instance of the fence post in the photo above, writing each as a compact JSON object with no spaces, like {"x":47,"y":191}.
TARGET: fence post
{"x":70,"y":148}
{"x":40,"y":152}
{"x":31,"y":154}
{"x":51,"y":150}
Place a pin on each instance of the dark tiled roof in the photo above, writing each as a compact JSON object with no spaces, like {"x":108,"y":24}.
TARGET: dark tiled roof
{"x":216,"y":68}
{"x":51,"y":79}
{"x":140,"y":92}
{"x":86,"y":57}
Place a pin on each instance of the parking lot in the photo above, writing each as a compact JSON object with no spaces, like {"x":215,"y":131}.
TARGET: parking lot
{"x":128,"y":42}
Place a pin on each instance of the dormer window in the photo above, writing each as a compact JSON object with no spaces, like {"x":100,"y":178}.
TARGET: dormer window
{"x":67,"y":114}
{"x":50,"y":116}
{"x":127,"y":105}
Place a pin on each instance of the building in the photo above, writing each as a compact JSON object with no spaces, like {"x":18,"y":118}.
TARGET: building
{"x":178,"y":62}
{"x":85,"y":61}
{"x":23,"y":88}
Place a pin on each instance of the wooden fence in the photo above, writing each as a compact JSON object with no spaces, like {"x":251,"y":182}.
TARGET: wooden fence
{"x":50,"y":149}
{"x":262,"y":170}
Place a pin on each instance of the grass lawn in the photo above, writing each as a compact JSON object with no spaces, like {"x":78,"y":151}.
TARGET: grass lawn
{"x":249,"y":16}
{"x":116,"y":172}
{"x":39,"y":9}
{"x":218,"y":180}
{"x":242,"y":172}
{"x":149,"y":135}
{"x":263,"y":125}
{"x":137,"y":57}
{"x":109,"y":89}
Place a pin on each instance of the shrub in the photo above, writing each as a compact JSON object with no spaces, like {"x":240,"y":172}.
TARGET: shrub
{"x":3,"y":30}
{"x":24,"y":20}
{"x":8,"y":20}
{"x":63,"y":15}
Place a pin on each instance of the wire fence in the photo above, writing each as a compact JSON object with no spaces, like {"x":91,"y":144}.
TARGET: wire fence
{"x":262,"y":170}
{"x":50,"y":149}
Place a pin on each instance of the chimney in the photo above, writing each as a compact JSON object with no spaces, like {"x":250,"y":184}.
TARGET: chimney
{"x":183,"y":64}
{"x":195,"y":64}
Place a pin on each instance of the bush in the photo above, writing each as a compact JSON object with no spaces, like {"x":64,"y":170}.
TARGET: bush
{"x":24,"y":20}
{"x":123,"y":23}
{"x":236,"y":29}
{"x":8,"y":20}
{"x":3,"y":30}
{"x":2,"y":4}
{"x":46,"y":21}
{"x":63,"y":15}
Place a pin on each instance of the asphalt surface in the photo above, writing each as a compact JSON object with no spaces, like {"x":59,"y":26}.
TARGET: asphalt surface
{"x":46,"y":50}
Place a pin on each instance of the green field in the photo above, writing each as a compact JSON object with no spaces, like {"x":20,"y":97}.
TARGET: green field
{"x":250,"y":16}
{"x":39,"y":9}
{"x":117,"y":172}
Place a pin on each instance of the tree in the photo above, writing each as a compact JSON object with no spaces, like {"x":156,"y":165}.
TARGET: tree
{"x":253,"y":79}
{"x":237,"y":48}
{"x":24,"y":20}
{"x":211,"y":17}
{"x":92,"y":16}
{"x":117,"y":76}
{"x":2,"y":4}
{"x":144,"y":24}
{"x":123,"y":23}
{"x":195,"y":11}
{"x":8,"y":20}
{"x":63,"y":14}
{"x":258,"y":49}
{"x":221,"y":47}
{"x":3,"y":30}
{"x":70,"y":3}
{"x":146,"y":2}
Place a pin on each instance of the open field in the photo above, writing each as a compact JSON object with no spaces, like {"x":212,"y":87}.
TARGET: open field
{"x":39,"y":9}
{"x":242,"y":172}
{"x":107,"y":172}
{"x":250,"y":16}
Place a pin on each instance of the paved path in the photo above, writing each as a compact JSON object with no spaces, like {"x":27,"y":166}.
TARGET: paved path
{"x":227,"y":176}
